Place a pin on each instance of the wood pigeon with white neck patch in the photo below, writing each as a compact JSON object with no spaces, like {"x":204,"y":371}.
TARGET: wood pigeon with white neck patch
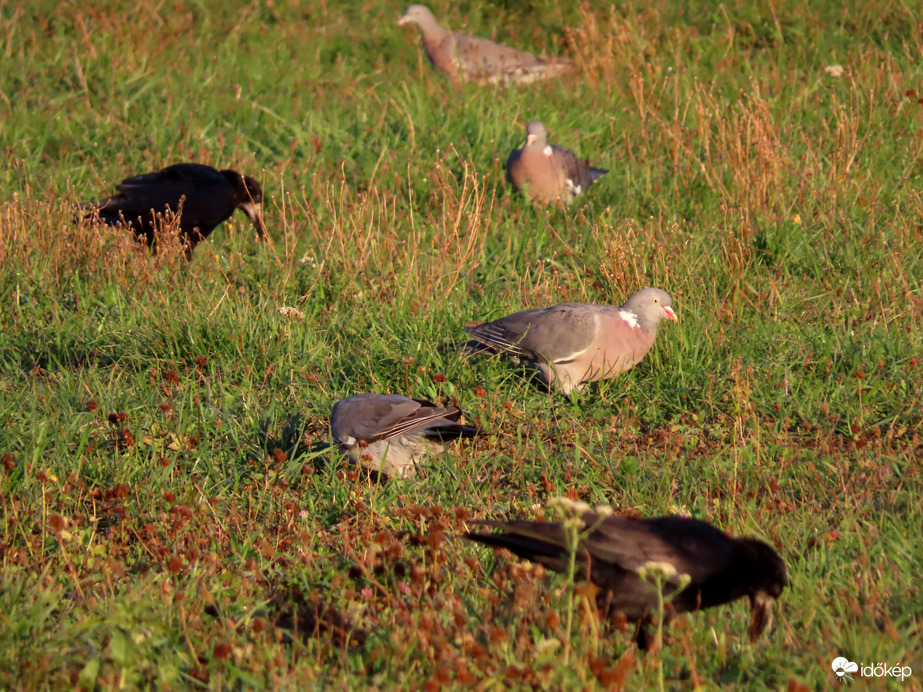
{"x":573,"y":344}
{"x":548,"y":171}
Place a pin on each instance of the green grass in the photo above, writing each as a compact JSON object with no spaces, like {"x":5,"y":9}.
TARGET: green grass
{"x":171,"y":515}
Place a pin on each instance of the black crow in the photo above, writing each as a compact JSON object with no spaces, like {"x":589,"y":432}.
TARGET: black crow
{"x":720,"y":569}
{"x":201,"y":196}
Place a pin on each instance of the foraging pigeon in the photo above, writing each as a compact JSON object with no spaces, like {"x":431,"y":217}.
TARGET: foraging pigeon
{"x":573,"y":344}
{"x":478,"y":60}
{"x":551,"y":172}
{"x":720,"y":569}
{"x":201,"y":196}
{"x":391,"y":434}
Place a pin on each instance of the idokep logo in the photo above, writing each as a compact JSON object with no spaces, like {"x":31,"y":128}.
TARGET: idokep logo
{"x":843,"y":667}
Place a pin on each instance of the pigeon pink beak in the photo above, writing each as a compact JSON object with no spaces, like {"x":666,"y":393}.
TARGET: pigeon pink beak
{"x":670,"y":314}
{"x":530,"y":139}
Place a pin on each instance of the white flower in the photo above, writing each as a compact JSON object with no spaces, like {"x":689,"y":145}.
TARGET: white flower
{"x":294,"y":313}
{"x":657,"y":569}
{"x":570,"y":506}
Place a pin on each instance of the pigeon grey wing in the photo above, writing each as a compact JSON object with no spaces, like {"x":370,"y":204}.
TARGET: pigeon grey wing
{"x":396,"y":415}
{"x":562,"y":332}
{"x":506,"y":334}
{"x":544,"y":69}
{"x":371,"y":417}
{"x":368,"y":416}
{"x":445,"y":425}
{"x":382,"y":416}
{"x":574,"y":169}
{"x":424,"y":420}
{"x":553,"y":334}
{"x":447,"y":412}
{"x":480,"y":57}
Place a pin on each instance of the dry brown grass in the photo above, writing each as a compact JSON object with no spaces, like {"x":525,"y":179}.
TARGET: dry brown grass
{"x":169,"y":507}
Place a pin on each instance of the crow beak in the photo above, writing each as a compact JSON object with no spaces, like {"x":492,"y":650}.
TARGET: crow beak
{"x":760,"y":613}
{"x":254,"y":213}
{"x":670,"y":314}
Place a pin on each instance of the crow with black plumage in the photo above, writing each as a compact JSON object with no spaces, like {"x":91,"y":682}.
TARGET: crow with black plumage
{"x":197,"y":197}
{"x":614,"y":552}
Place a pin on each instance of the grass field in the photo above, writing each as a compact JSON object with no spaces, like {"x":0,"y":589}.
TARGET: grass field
{"x":172,"y":516}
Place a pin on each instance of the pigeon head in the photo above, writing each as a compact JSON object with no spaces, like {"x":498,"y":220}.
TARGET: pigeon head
{"x":421,"y":16}
{"x":650,"y":306}
{"x":536,"y":135}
